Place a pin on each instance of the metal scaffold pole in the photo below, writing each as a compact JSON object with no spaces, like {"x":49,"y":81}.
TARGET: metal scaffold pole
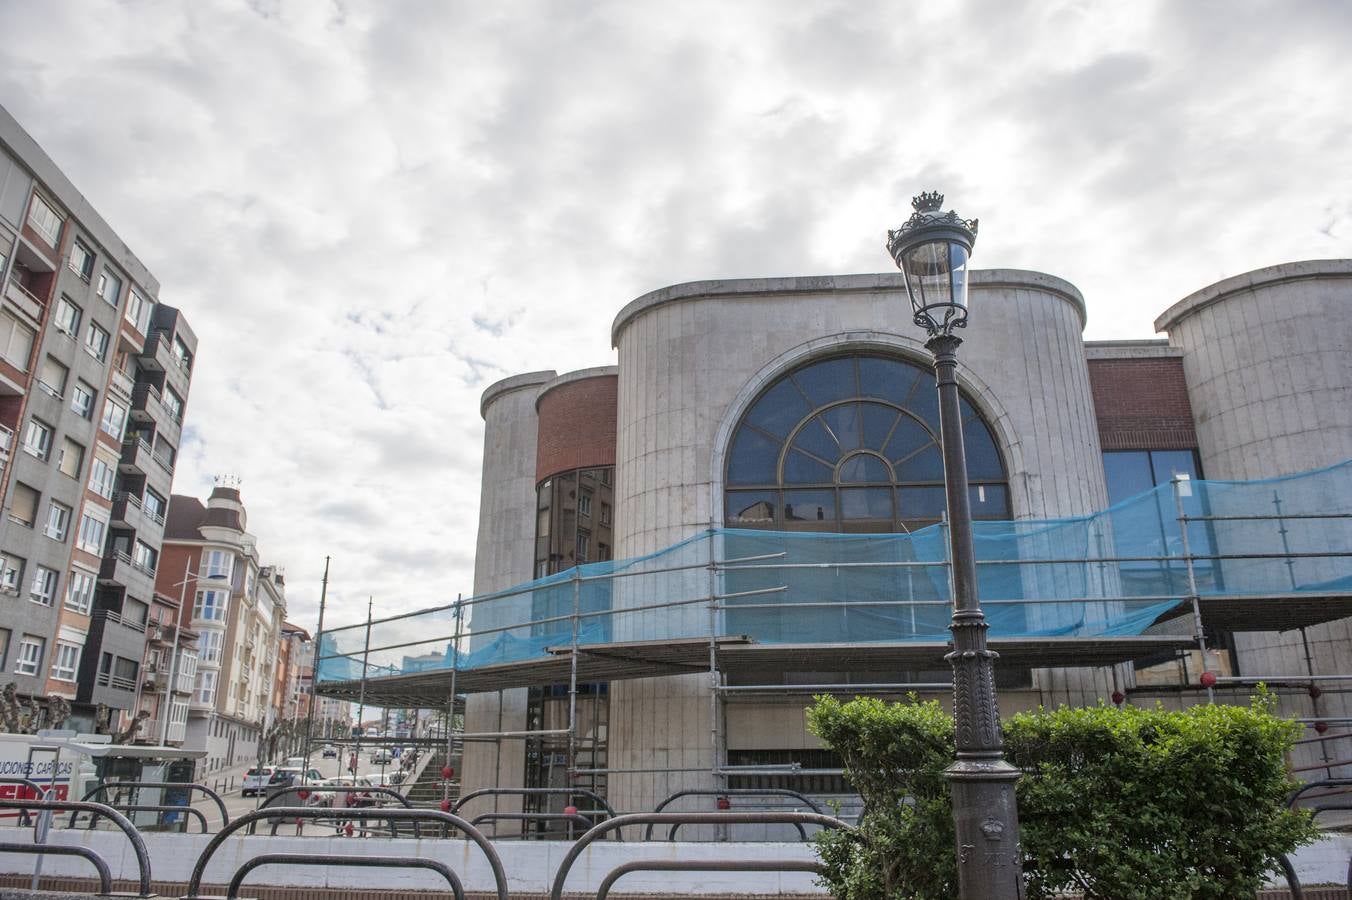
{"x":361,"y":696}
{"x":572,"y":686}
{"x":715,"y":695}
{"x":450,"y":706}
{"x":314,"y":669}
{"x":1178,"y":483}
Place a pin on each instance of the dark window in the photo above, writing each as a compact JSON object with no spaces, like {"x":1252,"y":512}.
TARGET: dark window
{"x":851,"y":444}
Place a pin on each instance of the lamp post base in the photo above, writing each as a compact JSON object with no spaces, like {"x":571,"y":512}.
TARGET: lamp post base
{"x":986,"y":820}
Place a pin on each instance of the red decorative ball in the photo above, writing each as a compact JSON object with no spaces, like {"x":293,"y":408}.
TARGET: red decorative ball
{"x":1208,"y":679}
{"x":304,"y":795}
{"x":724,"y":803}
{"x":1315,"y":692}
{"x":1118,"y":697}
{"x":1321,"y":727}
{"x":445,"y":805}
{"x":570,"y":810}
{"x":447,"y":772}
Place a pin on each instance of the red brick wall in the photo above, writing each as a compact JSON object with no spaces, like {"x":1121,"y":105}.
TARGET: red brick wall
{"x":1142,"y":404}
{"x":577,"y":426}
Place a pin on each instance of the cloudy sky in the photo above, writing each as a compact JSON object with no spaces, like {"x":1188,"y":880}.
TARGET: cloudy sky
{"x":371,"y":211}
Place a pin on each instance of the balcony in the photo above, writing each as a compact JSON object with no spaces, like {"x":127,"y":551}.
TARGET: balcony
{"x":116,"y":682}
{"x":158,"y":356}
{"x":136,"y":456}
{"x":122,"y":384}
{"x":146,"y":403}
{"x":6,"y":441}
{"x":29,"y":304}
{"x":178,"y":733}
{"x":119,"y":568}
{"x":116,"y":618}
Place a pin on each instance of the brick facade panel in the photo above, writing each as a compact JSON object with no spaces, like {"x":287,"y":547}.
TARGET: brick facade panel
{"x":577,"y":426}
{"x":1142,"y":404}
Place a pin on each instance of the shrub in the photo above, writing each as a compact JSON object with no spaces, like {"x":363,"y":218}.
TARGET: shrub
{"x":1127,"y":804}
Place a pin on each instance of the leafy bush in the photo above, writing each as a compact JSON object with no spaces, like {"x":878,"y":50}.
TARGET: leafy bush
{"x":1119,"y":804}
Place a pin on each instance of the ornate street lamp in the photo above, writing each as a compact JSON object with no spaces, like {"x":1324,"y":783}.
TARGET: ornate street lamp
{"x":931,"y":250}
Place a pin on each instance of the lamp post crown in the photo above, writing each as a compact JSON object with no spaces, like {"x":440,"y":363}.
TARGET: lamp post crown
{"x":927,"y":201}
{"x":932,"y":248}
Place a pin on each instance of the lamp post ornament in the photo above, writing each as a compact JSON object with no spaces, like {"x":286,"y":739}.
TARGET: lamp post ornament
{"x":932,"y":249}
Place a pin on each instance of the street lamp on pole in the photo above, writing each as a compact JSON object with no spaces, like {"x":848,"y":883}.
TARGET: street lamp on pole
{"x":932,"y":249}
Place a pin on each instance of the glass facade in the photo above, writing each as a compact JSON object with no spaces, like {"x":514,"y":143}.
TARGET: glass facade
{"x":851,"y":444}
{"x":574,"y":521}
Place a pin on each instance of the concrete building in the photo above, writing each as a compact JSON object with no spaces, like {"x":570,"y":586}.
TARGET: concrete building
{"x":94,"y":379}
{"x":237,"y":611}
{"x":806,"y":404}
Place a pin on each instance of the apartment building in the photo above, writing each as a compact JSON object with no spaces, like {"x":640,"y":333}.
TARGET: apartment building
{"x":94,"y":379}
{"x":237,"y":611}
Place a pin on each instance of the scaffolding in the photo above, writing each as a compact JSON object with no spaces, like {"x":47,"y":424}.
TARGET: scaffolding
{"x":1147,"y":580}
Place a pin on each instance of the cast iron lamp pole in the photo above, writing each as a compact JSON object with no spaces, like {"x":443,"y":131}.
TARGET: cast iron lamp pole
{"x":931,"y":250}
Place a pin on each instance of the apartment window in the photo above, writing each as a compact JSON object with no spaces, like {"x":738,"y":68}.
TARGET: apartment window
{"x":45,"y":220}
{"x":173,"y":403}
{"x":165,"y":453}
{"x":209,"y":646}
{"x":92,"y":530}
{"x":68,"y":316}
{"x":206,"y":687}
{"x":80,"y":592}
{"x":96,"y":342}
{"x":16,"y":341}
{"x":37,"y":439}
{"x":182,"y":354}
{"x":114,"y":418}
{"x":43,"y":589}
{"x":23,"y":505}
{"x":584,"y":504}
{"x":136,"y":310}
{"x":82,"y":260}
{"x":65,"y":661}
{"x":220,"y":564}
{"x":52,"y":377}
{"x":29,"y":657}
{"x":82,"y":399}
{"x":4,"y":648}
{"x":58,"y":521}
{"x":110,"y":287}
{"x":101,"y":476}
{"x":210,"y":605}
{"x":583,"y":546}
{"x":145,"y":557}
{"x":154,"y":505}
{"x":11,"y":573}
{"x":605,"y":514}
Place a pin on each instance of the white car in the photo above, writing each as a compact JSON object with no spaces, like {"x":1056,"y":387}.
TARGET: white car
{"x":256,"y":780}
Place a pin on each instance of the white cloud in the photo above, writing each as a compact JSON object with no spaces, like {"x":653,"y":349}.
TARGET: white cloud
{"x":369,"y":212}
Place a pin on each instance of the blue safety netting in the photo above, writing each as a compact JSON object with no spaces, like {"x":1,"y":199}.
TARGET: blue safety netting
{"x":1114,"y":573}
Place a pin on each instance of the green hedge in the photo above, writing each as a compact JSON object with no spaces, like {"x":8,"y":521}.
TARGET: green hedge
{"x":1117,"y":804}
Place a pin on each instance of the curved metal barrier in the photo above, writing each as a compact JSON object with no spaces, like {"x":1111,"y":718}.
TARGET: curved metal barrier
{"x":135,"y":786}
{"x":447,"y":820}
{"x":138,"y":845}
{"x":147,"y":807}
{"x":391,"y":862}
{"x":707,"y":865}
{"x":666,"y":818}
{"x":536,"y":792}
{"x":299,"y":789}
{"x":571,"y":818}
{"x":733,"y":792}
{"x":1316,"y":785}
{"x":39,"y":793}
{"x":105,"y":874}
{"x":1292,"y":881}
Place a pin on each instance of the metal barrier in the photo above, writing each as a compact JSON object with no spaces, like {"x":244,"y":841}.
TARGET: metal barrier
{"x":570,"y":818}
{"x":391,"y":862}
{"x":138,"y":845}
{"x":1292,"y":881}
{"x":665,"y":818}
{"x":161,"y":785}
{"x":147,"y":807}
{"x":39,"y":793}
{"x":447,"y":820}
{"x":105,"y":874}
{"x":710,"y":865}
{"x":354,"y":789}
{"x":733,"y":792}
{"x":536,"y":792}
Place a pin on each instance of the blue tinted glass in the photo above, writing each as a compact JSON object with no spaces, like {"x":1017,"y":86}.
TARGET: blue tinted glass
{"x":927,"y":465}
{"x":924,"y":400}
{"x":1128,"y":474}
{"x":815,"y":439}
{"x":751,"y":509}
{"x":887,"y":379}
{"x":828,"y":381}
{"x":922,"y":502}
{"x":1168,"y":463}
{"x":990,"y":501}
{"x":983,"y":460}
{"x":799,"y":468}
{"x":781,"y":408}
{"x":878,"y":422}
{"x":843,"y":421}
{"x":753,"y":459}
{"x":863,"y":469}
{"x":908,"y":437}
{"x":866,"y":503}
{"x":810,"y":510}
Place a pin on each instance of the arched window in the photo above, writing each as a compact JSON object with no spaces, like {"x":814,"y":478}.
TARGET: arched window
{"x":851,"y":444}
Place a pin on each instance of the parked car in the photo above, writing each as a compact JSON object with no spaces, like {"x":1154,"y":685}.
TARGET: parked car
{"x":288,"y":776}
{"x":330,"y":752}
{"x":385,"y":779}
{"x":380,"y":757}
{"x":256,"y":780}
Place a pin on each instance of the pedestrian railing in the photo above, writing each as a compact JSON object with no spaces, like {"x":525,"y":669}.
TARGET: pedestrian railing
{"x":121,"y":821}
{"x":728,"y":794}
{"x":135,"y":787}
